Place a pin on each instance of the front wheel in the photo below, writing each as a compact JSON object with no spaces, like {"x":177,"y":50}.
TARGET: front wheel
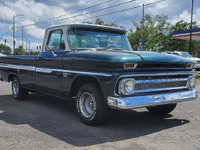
{"x":19,"y":93}
{"x":91,"y":107}
{"x":162,"y":109}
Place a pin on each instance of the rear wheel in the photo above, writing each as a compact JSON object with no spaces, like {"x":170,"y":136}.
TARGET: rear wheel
{"x":19,"y":93}
{"x":91,"y":107}
{"x":162,"y":109}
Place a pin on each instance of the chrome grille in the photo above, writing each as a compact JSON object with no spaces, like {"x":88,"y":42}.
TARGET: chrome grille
{"x":157,"y":82}
{"x":142,"y":86}
{"x":160,"y":84}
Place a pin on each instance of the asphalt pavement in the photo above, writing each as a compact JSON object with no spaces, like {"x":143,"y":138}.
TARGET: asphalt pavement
{"x":44,"y":122}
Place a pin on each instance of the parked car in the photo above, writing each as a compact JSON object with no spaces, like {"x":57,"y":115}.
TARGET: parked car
{"x":186,"y":55}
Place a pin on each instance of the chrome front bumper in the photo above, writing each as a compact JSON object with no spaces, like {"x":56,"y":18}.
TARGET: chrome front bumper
{"x":150,"y":100}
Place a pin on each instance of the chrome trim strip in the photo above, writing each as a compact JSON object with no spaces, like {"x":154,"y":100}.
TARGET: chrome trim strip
{"x":161,"y":80}
{"x":48,"y":70}
{"x":45,"y":70}
{"x":150,"y":100}
{"x":22,"y":67}
{"x":159,"y":74}
{"x":161,"y":89}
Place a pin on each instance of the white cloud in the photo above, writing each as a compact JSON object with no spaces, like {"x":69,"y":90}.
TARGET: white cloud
{"x":38,"y":33}
{"x":186,"y":16}
{"x":197,"y":16}
{"x":6,"y":14}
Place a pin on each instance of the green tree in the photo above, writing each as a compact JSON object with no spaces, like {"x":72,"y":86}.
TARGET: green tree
{"x":155,"y":32}
{"x":5,"y":49}
{"x":134,"y":37}
{"x":20,"y":51}
{"x":34,"y":52}
{"x":101,"y":22}
{"x":86,"y":22}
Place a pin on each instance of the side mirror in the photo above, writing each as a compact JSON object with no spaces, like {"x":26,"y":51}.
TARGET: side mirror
{"x":51,"y":48}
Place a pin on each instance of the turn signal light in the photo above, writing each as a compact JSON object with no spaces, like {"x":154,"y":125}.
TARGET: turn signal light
{"x":188,"y":65}
{"x":130,"y":65}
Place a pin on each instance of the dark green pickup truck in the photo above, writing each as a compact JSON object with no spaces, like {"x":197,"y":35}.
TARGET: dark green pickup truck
{"x":96,"y":66}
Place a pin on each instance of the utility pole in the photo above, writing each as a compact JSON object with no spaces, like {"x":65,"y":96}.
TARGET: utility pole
{"x":29,"y":47}
{"x":143,"y":28}
{"x":190,"y":47}
{"x":14,"y":32}
{"x":22,"y":38}
{"x":26,"y":44}
{"x":14,"y":35}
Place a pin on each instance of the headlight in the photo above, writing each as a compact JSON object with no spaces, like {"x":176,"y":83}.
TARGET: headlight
{"x":192,"y":81}
{"x":127,"y":86}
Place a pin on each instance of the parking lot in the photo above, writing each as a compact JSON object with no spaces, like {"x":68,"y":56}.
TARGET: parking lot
{"x":44,"y":122}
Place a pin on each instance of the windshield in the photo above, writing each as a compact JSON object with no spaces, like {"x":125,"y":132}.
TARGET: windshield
{"x":84,"y":39}
{"x":185,"y":55}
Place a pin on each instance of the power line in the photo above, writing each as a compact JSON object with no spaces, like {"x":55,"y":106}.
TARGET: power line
{"x":102,"y":9}
{"x":79,"y":10}
{"x":110,"y":13}
{"x":172,"y":6}
{"x":84,"y":13}
{"x":96,"y":10}
{"x":6,"y":33}
{"x":35,"y":29}
{"x":120,"y":11}
{"x":85,"y":3}
{"x":70,"y":13}
{"x":116,"y":11}
{"x":154,"y":2}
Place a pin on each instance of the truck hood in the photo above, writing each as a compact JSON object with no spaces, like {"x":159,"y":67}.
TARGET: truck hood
{"x":102,"y":60}
{"x":127,"y":56}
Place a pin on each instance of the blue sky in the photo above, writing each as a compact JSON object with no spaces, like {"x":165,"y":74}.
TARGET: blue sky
{"x":35,"y":11}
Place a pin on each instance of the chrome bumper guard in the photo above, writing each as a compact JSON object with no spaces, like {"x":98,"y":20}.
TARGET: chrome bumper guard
{"x":150,"y":100}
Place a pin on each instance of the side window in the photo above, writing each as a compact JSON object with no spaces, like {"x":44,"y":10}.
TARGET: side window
{"x":56,"y":39}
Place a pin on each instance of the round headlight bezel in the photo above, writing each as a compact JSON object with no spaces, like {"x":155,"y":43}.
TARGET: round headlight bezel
{"x":127,"y":86}
{"x":192,"y":81}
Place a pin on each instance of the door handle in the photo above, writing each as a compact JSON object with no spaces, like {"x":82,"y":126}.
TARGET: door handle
{"x":40,"y":57}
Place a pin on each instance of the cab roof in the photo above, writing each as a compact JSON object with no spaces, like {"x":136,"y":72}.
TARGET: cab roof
{"x":92,"y":27}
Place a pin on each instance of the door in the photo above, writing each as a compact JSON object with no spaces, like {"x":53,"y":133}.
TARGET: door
{"x":48,"y":70}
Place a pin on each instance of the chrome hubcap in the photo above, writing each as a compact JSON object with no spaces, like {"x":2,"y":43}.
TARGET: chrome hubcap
{"x":86,"y":104}
{"x":15,"y":87}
